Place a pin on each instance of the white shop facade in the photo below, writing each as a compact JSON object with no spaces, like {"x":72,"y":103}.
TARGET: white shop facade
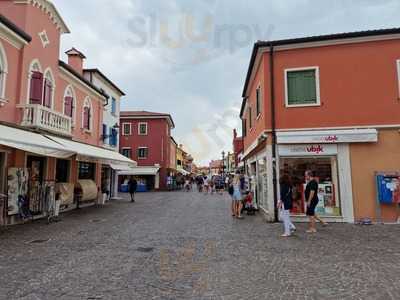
{"x":327,"y":153}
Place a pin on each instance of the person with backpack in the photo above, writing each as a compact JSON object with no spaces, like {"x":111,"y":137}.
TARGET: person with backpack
{"x":132,"y":188}
{"x":285,"y":204}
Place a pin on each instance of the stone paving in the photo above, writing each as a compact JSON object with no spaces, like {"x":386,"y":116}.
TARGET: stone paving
{"x":187,"y":246}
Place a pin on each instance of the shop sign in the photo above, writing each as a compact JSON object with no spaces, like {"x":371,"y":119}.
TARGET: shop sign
{"x":307,"y":150}
{"x":328,"y":136}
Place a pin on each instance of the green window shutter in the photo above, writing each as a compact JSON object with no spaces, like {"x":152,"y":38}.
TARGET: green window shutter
{"x":302,"y":87}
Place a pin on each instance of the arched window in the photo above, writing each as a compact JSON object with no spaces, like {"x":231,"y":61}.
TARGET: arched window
{"x":87,"y":114}
{"x":3,"y":72}
{"x":35,"y":83}
{"x":48,"y":91}
{"x":69,"y":102}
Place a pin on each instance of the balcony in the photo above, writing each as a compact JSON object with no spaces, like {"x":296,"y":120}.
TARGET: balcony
{"x":40,"y":117}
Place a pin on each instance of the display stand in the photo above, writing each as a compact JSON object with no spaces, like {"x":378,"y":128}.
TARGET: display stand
{"x":387,"y":192}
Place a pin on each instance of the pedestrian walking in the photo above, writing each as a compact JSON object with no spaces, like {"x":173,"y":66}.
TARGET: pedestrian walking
{"x":237,"y":196}
{"x":132,"y":184}
{"x":230,"y":192}
{"x":311,"y":198}
{"x":286,"y":204}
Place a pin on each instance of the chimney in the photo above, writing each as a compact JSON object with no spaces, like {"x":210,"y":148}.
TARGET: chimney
{"x":234,"y":133}
{"x":75,"y":60}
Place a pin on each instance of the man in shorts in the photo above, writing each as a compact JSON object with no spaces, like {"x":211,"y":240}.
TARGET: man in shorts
{"x":311,"y":198}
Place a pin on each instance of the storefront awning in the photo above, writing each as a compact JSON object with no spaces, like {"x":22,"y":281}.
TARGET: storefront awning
{"x":183,"y":172}
{"x":32,"y":142}
{"x":140,"y":171}
{"x":93,"y":153}
{"x":328,"y":136}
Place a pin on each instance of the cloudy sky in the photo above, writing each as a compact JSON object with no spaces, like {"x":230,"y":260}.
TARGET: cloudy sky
{"x":189,"y":58}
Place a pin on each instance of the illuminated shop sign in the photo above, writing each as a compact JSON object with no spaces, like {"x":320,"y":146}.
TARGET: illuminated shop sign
{"x":328,"y":136}
{"x":307,"y":150}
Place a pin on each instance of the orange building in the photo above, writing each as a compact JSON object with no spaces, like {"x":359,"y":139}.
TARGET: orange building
{"x":50,"y":115}
{"x":327,"y":103}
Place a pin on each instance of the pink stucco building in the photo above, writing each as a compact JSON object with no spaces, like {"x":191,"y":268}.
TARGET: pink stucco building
{"x":50,"y":116}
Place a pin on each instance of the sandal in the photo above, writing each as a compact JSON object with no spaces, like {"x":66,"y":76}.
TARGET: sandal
{"x":285,"y":235}
{"x":240,"y":217}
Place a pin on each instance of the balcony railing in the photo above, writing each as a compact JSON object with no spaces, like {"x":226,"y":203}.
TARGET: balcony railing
{"x":40,"y":117}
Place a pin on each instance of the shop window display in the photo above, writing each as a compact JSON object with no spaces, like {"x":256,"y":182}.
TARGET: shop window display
{"x":326,"y":173}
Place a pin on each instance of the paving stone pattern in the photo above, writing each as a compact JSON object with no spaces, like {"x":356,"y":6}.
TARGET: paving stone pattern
{"x":187,"y":246}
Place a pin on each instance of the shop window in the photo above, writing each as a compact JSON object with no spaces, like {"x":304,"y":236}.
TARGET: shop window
{"x":326,"y":172}
{"x":86,"y":170}
{"x":142,"y":128}
{"x":127,"y":129}
{"x":302,"y":87}
{"x":258,"y":102}
{"x":62,"y":170}
{"x":127,"y":152}
{"x":143,"y":153}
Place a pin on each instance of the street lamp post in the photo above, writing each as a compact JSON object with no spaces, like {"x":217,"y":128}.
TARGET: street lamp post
{"x":223,"y":163}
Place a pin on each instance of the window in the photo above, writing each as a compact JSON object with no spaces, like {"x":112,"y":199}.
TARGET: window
{"x":258,"y":102}
{"x":328,"y":182}
{"x":87,"y":115}
{"x":244,"y":127}
{"x":48,"y":89}
{"x":398,"y":75}
{"x":86,"y":170}
{"x":62,"y":170}
{"x":142,"y":128}
{"x":127,"y":152}
{"x":179,"y":162}
{"x":250,"y":118}
{"x":127,"y":128}
{"x":113,"y":137}
{"x":69,"y":102}
{"x":36,"y":88}
{"x":3,"y":72}
{"x":104,"y":134}
{"x":113,"y":106}
{"x":143,"y":152}
{"x":302,"y":87}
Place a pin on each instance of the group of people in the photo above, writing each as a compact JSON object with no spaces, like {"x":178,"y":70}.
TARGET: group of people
{"x":242,"y":197}
{"x":211,"y":184}
{"x":311,"y":198}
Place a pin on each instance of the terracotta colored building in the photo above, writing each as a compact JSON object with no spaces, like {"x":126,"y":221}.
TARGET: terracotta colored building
{"x":50,"y":115}
{"x":327,"y":103}
{"x":237,"y":149}
{"x":146,"y":138}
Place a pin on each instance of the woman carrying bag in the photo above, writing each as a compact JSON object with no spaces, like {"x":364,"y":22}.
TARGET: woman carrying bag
{"x":286,"y":205}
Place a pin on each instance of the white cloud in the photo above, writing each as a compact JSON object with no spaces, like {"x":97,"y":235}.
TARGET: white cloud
{"x":199,"y":82}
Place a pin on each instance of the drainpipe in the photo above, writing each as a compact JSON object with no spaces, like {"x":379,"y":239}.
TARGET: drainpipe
{"x":273,"y":127}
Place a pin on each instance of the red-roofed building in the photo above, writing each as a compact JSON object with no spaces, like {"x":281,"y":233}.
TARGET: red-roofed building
{"x":237,"y":148}
{"x":146,"y":136}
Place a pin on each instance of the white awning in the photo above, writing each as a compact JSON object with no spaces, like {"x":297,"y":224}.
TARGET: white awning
{"x":183,"y":172}
{"x":93,"y":153}
{"x":118,"y":167}
{"x":32,"y":142}
{"x":328,"y":136}
{"x":140,"y":171}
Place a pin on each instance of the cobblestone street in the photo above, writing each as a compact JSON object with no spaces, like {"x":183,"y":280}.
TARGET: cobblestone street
{"x":187,"y":246}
